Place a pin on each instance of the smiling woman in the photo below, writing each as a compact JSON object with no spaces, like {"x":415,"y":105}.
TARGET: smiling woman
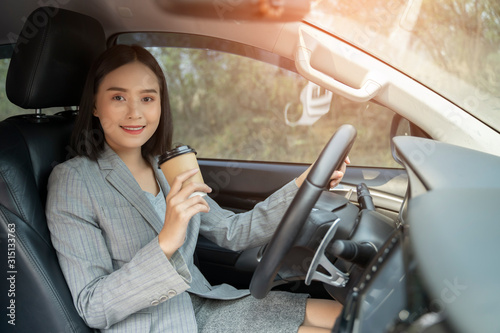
{"x":123,"y":234}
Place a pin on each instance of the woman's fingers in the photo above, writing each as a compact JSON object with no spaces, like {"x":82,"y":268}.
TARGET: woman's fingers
{"x":193,"y":187}
{"x":179,"y":213}
{"x":181,"y":207}
{"x":193,"y":206}
{"x":339,"y":174}
{"x":184,"y":207}
{"x":180,"y":190}
{"x":335,"y":181}
{"x":181,"y":178}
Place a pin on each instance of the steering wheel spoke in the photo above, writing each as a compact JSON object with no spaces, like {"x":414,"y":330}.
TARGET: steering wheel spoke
{"x":336,"y":277}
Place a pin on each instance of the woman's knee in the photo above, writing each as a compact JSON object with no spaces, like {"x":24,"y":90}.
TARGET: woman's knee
{"x":321,"y":313}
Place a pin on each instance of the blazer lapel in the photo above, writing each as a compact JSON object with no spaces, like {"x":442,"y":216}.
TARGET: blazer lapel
{"x":120,"y":177}
{"x":165,"y":187}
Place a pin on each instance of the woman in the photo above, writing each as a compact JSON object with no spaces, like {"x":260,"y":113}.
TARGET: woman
{"x":125,"y":238}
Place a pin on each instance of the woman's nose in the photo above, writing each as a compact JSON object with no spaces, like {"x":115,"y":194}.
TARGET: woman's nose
{"x":134,"y":110}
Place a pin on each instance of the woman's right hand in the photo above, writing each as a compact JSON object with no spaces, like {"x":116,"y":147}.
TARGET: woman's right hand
{"x":180,"y":210}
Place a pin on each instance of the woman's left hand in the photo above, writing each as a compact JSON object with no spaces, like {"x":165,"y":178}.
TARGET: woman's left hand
{"x":335,"y":179}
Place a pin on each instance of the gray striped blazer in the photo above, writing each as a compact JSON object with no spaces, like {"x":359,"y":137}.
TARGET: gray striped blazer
{"x":105,"y":232}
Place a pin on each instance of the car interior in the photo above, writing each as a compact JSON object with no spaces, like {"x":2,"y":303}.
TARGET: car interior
{"x":49,"y":71}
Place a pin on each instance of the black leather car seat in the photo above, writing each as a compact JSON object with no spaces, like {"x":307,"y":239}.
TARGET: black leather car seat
{"x":48,"y":69}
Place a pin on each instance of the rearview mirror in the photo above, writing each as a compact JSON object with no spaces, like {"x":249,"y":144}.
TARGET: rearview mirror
{"x":245,"y":10}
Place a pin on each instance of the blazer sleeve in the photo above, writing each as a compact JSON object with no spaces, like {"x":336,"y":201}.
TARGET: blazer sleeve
{"x":104,"y":295}
{"x":250,"y":229}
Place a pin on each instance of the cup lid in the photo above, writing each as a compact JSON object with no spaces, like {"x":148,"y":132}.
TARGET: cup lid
{"x":180,"y":150}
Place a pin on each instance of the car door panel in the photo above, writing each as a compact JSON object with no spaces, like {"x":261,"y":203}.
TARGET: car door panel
{"x":239,"y":185}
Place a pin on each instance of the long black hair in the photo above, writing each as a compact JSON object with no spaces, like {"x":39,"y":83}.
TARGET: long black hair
{"x":88,"y":136}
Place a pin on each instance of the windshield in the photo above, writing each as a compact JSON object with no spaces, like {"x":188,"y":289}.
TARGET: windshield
{"x":451,"y":46}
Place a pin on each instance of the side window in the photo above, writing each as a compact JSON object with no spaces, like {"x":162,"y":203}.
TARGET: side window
{"x":7,"y":109}
{"x":232,"y":107}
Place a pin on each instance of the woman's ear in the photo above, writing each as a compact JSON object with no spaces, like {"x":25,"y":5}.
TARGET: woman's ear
{"x":94,"y":112}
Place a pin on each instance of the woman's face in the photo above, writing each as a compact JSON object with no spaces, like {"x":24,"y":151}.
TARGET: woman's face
{"x":128,"y":106}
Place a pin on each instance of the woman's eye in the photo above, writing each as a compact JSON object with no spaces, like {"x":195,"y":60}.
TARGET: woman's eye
{"x":118,"y":98}
{"x":147,"y":99}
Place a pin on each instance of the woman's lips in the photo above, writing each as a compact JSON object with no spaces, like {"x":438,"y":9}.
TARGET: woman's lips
{"x":134,"y":130}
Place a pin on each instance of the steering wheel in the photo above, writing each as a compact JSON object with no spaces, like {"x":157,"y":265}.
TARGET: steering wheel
{"x":330,"y":159}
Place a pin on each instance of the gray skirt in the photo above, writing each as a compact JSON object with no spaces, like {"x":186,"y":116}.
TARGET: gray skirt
{"x":278,"y":312}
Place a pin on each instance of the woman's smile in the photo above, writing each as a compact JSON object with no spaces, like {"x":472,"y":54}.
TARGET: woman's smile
{"x":134,"y":130}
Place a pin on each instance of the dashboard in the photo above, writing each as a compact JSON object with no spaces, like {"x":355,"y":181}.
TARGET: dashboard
{"x":438,"y":270}
{"x":380,"y":301}
{"x":383,"y":295}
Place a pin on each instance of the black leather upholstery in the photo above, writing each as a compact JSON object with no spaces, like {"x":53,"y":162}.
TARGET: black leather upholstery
{"x":53,"y":54}
{"x":47,"y":71}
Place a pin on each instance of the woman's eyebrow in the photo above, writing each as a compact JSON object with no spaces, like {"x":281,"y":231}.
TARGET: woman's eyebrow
{"x":116,"y":89}
{"x":151,"y":91}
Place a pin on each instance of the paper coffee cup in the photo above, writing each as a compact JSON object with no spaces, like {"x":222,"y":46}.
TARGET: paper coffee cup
{"x":177,"y":161}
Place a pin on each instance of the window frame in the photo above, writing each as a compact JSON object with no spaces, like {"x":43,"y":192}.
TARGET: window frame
{"x":193,"y":41}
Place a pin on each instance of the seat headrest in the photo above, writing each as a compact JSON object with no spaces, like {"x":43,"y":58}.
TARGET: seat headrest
{"x":52,"y":57}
